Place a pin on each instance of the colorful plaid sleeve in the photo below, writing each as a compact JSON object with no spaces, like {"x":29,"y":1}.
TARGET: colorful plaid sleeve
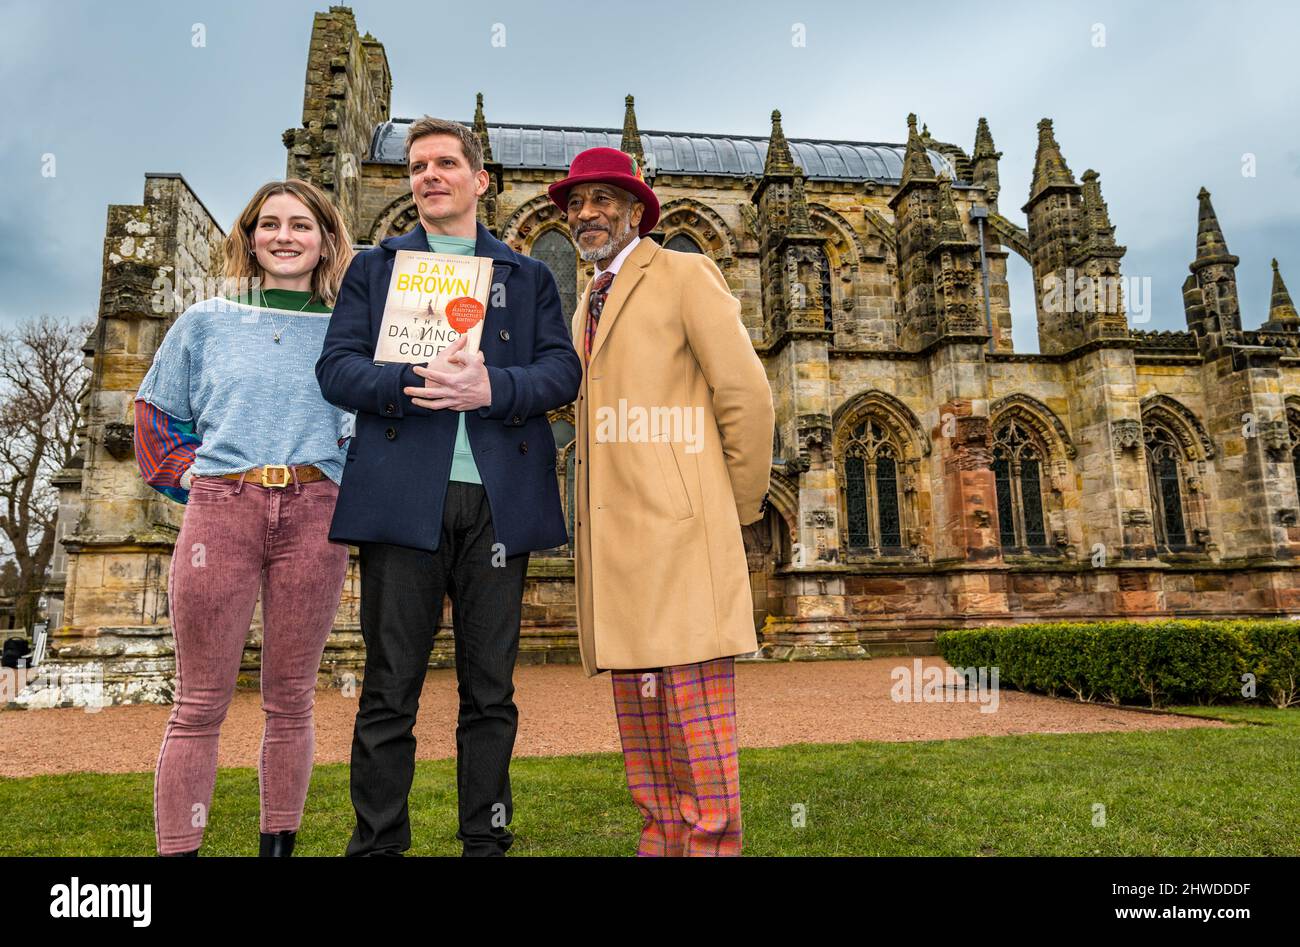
{"x":164,"y":449}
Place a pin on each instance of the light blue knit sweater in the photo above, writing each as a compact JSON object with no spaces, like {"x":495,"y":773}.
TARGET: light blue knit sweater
{"x":253,"y":401}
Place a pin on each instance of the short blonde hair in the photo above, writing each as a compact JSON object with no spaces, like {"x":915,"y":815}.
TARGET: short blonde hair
{"x":336,"y":246}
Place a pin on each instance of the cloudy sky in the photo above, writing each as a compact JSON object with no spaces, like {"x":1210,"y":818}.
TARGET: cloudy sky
{"x":1161,"y":98}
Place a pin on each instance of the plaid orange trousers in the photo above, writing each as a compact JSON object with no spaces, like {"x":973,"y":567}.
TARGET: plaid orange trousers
{"x":678,"y":729}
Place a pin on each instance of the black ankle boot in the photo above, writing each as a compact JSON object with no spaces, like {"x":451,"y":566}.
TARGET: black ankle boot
{"x":277,"y":844}
{"x":193,"y":854}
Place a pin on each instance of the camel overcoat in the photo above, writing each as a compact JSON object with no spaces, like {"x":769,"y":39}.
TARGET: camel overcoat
{"x":674,"y":443}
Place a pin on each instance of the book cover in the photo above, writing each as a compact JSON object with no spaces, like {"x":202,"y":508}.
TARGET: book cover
{"x":432,"y":299}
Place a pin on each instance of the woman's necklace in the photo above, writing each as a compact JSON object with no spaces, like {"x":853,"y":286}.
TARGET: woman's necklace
{"x":276,"y":330}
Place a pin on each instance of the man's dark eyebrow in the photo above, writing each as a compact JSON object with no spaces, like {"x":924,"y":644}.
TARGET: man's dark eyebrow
{"x":451,"y":155}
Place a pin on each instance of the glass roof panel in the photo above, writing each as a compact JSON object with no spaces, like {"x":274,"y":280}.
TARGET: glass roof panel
{"x":533,"y":146}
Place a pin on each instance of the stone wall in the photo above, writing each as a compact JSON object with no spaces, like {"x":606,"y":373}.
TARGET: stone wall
{"x":119,"y":533}
{"x":347,"y":93}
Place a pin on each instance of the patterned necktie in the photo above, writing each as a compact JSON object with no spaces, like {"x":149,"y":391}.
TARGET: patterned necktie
{"x":595,"y":303}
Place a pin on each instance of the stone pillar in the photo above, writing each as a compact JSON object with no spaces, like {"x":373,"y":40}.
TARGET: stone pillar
{"x":965,"y":511}
{"x":487,"y":203}
{"x":1054,"y":210}
{"x":1106,"y":417}
{"x":347,"y":94}
{"x":916,"y":215}
{"x":797,"y":338}
{"x":1258,"y":504}
{"x":114,"y":622}
{"x":968,"y":530}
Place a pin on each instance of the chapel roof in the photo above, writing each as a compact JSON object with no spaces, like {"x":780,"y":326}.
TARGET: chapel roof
{"x":549,"y":147}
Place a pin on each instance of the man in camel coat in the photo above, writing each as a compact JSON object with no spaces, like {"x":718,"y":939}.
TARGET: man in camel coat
{"x":674,"y":446}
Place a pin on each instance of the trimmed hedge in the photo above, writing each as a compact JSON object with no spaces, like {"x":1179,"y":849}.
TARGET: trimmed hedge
{"x":1156,"y":662}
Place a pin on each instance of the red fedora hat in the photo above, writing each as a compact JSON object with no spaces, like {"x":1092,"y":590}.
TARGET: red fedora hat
{"x":609,"y":166}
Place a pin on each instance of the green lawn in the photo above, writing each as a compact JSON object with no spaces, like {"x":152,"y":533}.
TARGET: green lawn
{"x":1182,"y":792}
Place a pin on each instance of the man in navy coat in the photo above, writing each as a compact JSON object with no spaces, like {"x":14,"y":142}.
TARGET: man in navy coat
{"x":449,"y":484}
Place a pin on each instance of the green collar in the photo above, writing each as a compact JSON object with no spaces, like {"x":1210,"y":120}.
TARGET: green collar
{"x":291,"y":300}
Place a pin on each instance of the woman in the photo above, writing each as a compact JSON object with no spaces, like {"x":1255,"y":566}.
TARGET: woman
{"x":230,"y":420}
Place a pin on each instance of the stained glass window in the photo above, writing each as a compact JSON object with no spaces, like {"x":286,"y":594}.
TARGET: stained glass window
{"x":872,"y":511}
{"x":1031,"y":495}
{"x":1006,"y":514}
{"x":1018,"y":482}
{"x":1164,"y":469}
{"x":856,"y":495}
{"x":683,"y":243}
{"x":555,"y":250}
{"x":887,"y":495}
{"x":1294,"y":428}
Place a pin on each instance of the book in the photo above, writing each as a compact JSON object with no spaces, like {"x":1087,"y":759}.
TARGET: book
{"x":432,"y":299}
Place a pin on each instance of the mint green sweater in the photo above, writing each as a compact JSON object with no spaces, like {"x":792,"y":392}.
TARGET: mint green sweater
{"x":463,"y":467}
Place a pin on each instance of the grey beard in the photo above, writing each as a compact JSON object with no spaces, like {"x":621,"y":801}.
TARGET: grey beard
{"x":607,"y":250}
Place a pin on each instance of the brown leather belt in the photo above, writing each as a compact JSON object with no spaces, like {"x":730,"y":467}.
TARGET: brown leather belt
{"x":279,"y":475}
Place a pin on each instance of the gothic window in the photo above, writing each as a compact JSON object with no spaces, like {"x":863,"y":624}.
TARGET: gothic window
{"x":1165,"y":475}
{"x":871,"y":492}
{"x":565,"y":461}
{"x":1017,"y":476}
{"x":683,"y":243}
{"x":824,"y":267}
{"x":1293,"y":422}
{"x":555,"y":250}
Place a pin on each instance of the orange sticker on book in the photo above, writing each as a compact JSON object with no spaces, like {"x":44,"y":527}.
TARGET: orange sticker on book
{"x":464,"y":312}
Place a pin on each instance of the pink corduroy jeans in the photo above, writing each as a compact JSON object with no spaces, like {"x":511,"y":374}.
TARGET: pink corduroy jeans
{"x":239,"y":538}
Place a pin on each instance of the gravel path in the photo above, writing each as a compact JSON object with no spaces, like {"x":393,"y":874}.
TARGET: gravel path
{"x":561,"y":711}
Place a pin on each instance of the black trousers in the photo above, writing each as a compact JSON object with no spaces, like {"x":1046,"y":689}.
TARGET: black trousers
{"x":401,"y":602}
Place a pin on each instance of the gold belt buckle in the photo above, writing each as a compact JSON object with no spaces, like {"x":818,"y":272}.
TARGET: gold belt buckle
{"x":282,"y":483}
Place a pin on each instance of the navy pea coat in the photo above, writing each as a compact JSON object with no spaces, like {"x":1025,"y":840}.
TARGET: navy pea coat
{"x":395,"y":478}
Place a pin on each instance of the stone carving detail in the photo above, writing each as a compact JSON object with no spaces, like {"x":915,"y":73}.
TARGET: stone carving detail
{"x":1126,"y":434}
{"x":819,"y":519}
{"x":119,"y":439}
{"x":1286,"y":516}
{"x":1059,"y":477}
{"x":972,"y":443}
{"x":705,"y":226}
{"x":1181,"y":422}
{"x":1138,"y":517}
{"x":1039,"y":418}
{"x":1275,"y":437}
{"x":814,"y":434}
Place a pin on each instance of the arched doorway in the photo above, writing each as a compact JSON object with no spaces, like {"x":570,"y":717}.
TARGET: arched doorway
{"x":767,"y":546}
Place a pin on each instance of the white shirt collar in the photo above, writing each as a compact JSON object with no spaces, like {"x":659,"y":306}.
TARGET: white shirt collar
{"x":618,"y":260}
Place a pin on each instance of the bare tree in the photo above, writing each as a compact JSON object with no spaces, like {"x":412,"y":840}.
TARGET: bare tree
{"x":42,"y":381}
